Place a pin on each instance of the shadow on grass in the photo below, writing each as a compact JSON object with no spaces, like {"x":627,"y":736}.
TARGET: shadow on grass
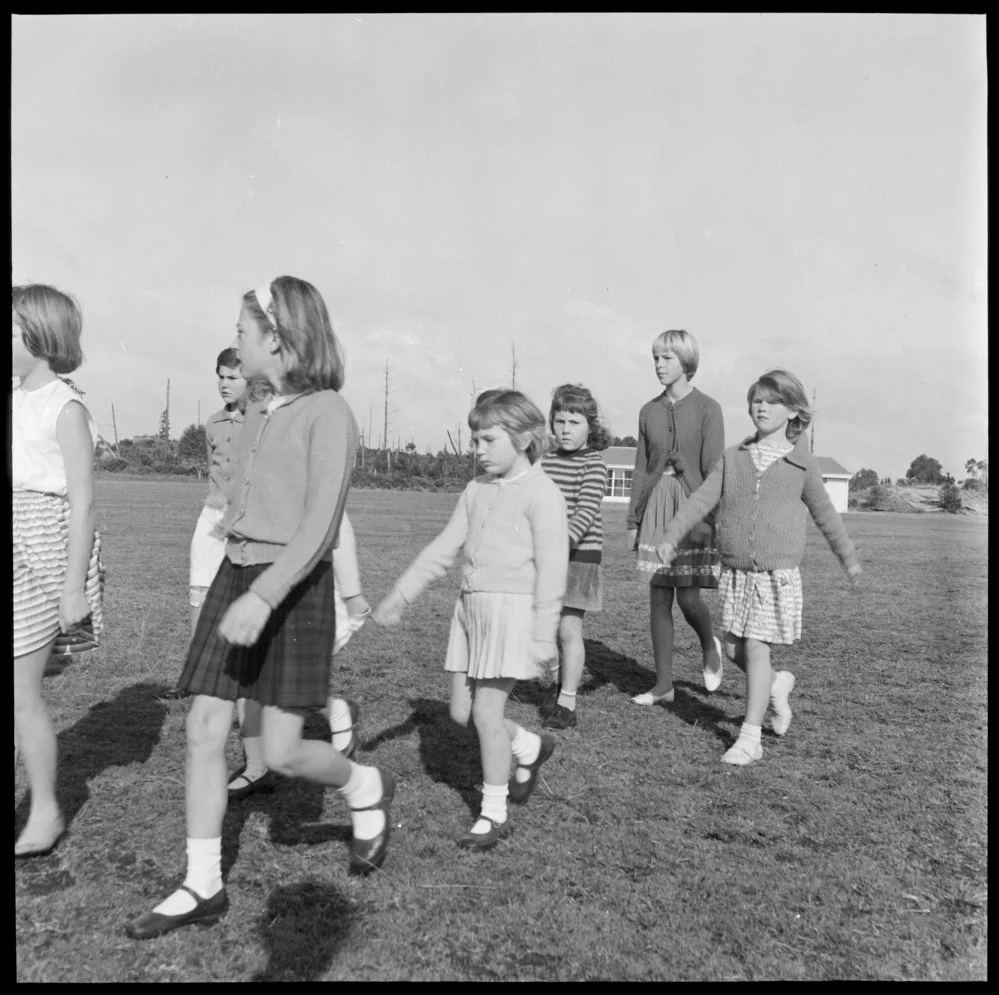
{"x":449,"y":753}
{"x":302,"y":929}
{"x":294,"y":808}
{"x":113,"y":733}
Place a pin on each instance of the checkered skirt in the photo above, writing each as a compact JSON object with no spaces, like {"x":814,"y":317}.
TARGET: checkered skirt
{"x":288,"y":666}
{"x":764,"y":605}
{"x":40,"y":534}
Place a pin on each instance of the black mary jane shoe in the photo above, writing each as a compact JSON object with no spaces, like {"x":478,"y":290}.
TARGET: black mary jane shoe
{"x":369,"y":855}
{"x":549,"y":700}
{"x":486,"y":841}
{"x":520,"y":791}
{"x":355,"y":719}
{"x":206,"y":912}
{"x":266,"y":782}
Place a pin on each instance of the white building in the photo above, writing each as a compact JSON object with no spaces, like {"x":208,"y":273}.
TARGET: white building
{"x":620,"y":462}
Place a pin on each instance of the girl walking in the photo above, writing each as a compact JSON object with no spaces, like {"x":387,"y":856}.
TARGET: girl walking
{"x":581,"y":474}
{"x":681,"y":435}
{"x":762,"y":489}
{"x":510,"y":524}
{"x":266,"y":630}
{"x":56,"y":549}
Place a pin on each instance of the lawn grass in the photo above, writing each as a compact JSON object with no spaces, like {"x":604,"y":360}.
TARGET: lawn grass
{"x":857,"y":849}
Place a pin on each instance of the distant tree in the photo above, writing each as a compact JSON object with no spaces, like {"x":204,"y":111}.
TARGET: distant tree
{"x":979,"y":470}
{"x":949,"y":498}
{"x":192,"y":447}
{"x":925,"y":470}
{"x":886,"y":481}
{"x":863,"y":479}
{"x":628,"y":440}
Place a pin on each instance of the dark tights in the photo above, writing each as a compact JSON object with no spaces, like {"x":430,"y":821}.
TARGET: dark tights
{"x":698,"y":617}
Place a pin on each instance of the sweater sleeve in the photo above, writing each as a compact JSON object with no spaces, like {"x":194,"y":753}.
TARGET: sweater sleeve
{"x":546,"y":514}
{"x":591,"y":494}
{"x":712,"y":438}
{"x":702,"y":502}
{"x":439,"y":555}
{"x":827,"y":518}
{"x":331,"y":447}
{"x":638,"y":474}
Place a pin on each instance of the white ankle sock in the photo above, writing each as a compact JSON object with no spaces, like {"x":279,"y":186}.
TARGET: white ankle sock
{"x":364,"y":788}
{"x":204,"y":876}
{"x":525,"y":748}
{"x":749,"y":732}
{"x":493,"y":807}
{"x":253,"y":750}
{"x":340,"y":720}
{"x":567,"y":699}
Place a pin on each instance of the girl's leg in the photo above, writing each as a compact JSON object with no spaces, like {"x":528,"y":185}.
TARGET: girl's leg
{"x":37,"y":739}
{"x":573,"y":652}
{"x":249,"y":713}
{"x":759,"y":678}
{"x":698,"y":617}
{"x":462,"y":693}
{"x":495,"y":733}
{"x":661,"y":626}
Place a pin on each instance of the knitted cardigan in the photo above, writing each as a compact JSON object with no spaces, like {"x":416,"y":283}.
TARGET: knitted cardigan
{"x":688,"y":435}
{"x":761,"y":516}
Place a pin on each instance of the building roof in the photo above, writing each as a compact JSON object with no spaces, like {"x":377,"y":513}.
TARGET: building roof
{"x":830,"y":468}
{"x":625,"y":456}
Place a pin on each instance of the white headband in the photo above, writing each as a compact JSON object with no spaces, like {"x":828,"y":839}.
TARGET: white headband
{"x":266,"y":302}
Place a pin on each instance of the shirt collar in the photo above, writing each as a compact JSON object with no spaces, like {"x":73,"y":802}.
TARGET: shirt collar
{"x":798,"y":456}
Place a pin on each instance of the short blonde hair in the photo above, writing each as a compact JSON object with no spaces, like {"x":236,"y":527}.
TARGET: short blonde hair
{"x":310,"y":350}
{"x":51,"y":323}
{"x":516,"y":414}
{"x":683,"y":344}
{"x":784,"y":388}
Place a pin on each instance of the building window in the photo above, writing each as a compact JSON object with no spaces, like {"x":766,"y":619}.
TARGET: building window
{"x":619,"y":482}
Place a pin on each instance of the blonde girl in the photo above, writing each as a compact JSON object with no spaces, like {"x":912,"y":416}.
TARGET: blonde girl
{"x":762,"y":489}
{"x":266,"y":629}
{"x":681,"y":435}
{"x":56,"y":549}
{"x":581,"y":474}
{"x":510,"y":526}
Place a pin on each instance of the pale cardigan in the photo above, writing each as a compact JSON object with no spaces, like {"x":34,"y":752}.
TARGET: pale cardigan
{"x":513,"y":538}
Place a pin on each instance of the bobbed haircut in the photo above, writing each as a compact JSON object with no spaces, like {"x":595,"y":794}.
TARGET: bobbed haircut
{"x":683,"y":344}
{"x":576,"y":399}
{"x":516,"y":414}
{"x":310,"y":351}
{"x":229,"y":358}
{"x":51,"y":323}
{"x":784,"y":388}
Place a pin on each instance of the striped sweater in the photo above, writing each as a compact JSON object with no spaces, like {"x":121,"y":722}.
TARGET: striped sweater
{"x":581,"y":476}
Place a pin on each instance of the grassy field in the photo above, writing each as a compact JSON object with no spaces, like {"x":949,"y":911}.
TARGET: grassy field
{"x":856,"y":849}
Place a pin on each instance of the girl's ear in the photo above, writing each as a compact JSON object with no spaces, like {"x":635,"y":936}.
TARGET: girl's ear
{"x":273,"y":342}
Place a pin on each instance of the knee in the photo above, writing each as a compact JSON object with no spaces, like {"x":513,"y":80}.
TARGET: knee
{"x":461,"y":712}
{"x":280,"y":756}
{"x":660,"y":598}
{"x":207,"y":726}
{"x":689,"y":600}
{"x":731,"y":649}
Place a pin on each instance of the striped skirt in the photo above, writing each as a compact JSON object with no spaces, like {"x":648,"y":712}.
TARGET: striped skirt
{"x":288,"y":666}
{"x":491,"y":637}
{"x":765,"y":605}
{"x":40,"y":537}
{"x":697,"y":562}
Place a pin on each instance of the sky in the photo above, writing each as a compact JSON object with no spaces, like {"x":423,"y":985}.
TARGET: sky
{"x":483,"y":198}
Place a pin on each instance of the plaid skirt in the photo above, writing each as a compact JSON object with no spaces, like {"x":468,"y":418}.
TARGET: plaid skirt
{"x":40,"y":534}
{"x":288,"y":666}
{"x":765,"y":605}
{"x":697,"y":562}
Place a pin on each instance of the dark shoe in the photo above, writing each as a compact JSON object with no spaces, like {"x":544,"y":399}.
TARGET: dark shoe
{"x":520,"y":791}
{"x":207,"y":912}
{"x":266,"y":782}
{"x":44,"y":850}
{"x":355,"y":716}
{"x":560,"y":718}
{"x":549,"y":700}
{"x":486,"y":841}
{"x":176,"y":694}
{"x":369,"y":855}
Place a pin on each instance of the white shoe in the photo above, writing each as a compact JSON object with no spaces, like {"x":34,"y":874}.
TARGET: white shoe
{"x":742,"y":752}
{"x":347,"y":627}
{"x":648,"y":698}
{"x":780,"y":692}
{"x":713,"y":679}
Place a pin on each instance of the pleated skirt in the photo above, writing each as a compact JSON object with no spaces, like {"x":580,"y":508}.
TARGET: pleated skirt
{"x":491,"y":637}
{"x":288,"y":666}
{"x":40,"y":535}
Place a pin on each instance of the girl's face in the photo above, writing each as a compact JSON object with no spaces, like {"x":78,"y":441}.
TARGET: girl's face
{"x":571,"y":430}
{"x":258,"y":357}
{"x":770,"y":417}
{"x":669,"y":369}
{"x":21,"y":361}
{"x":232,"y":385}
{"x":496,"y":450}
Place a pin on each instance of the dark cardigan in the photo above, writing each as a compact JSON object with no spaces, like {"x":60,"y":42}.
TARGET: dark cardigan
{"x":688,"y":434}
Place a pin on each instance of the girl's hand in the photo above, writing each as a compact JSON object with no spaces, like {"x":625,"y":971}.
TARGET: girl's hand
{"x":543,"y":651}
{"x":665,"y":552}
{"x":853,"y":573}
{"x":632,"y":538}
{"x":389,"y":612}
{"x":357,"y":605}
{"x":244,"y":620}
{"x":73,"y":609}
